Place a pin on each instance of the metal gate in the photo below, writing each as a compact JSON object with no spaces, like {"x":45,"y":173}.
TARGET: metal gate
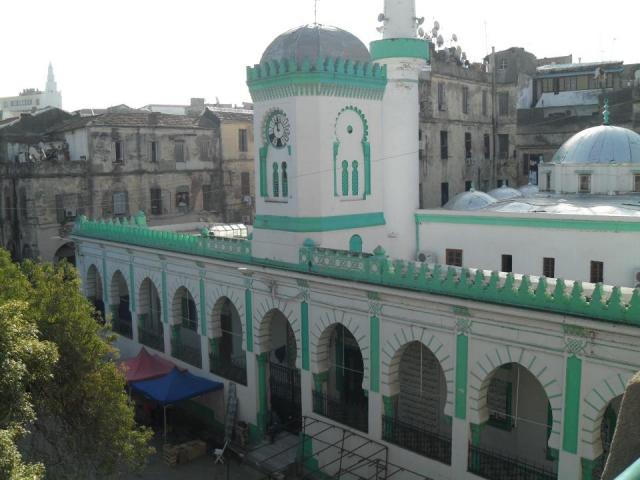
{"x":284,"y":383}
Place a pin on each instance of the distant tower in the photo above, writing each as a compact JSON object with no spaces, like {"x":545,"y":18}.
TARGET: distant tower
{"x":52,"y":97}
{"x":405,"y":56}
{"x":52,"y":87}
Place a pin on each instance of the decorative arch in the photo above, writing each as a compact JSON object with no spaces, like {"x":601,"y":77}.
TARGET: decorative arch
{"x":141,"y":275}
{"x":481,"y":373}
{"x":93,"y":282}
{"x":262,"y":325}
{"x":351,"y":127}
{"x":143,"y":302}
{"x":174,"y":283}
{"x":395,"y":346}
{"x":176,"y":307}
{"x":321,"y":335}
{"x":594,"y":405}
{"x":214,"y":326}
{"x":114,"y":288}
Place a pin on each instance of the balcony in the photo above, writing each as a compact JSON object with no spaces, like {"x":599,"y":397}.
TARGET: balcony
{"x":187,"y":354}
{"x":151,"y":337}
{"x":122,"y":325}
{"x":494,"y":466}
{"x":418,"y":440}
{"x":234,"y":368}
{"x":353,"y":414}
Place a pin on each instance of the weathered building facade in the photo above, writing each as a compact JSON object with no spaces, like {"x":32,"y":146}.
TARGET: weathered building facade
{"x":107,"y":165}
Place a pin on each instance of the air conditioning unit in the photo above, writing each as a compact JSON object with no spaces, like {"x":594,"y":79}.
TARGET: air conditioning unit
{"x":427,"y":257}
{"x":636,"y":278}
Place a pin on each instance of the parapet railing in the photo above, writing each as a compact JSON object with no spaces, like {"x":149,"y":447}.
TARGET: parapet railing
{"x":134,"y":231}
{"x":596,"y":301}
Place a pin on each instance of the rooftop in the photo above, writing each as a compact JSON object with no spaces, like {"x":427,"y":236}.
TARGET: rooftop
{"x":579,"y":67}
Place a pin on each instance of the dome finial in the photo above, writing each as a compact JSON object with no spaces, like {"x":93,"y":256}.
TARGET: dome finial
{"x":606,"y":120}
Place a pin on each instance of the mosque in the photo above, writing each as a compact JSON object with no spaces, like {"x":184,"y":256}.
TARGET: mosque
{"x":394,"y":342}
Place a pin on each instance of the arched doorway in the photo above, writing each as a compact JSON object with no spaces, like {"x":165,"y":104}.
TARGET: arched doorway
{"x":227,"y":358}
{"x":66,"y":252}
{"x":120,"y":309}
{"x":284,"y":376}
{"x":514,"y":442}
{"x":607,"y":429}
{"x":150,"y":328}
{"x":338,"y":392}
{"x":94,"y":291}
{"x":416,"y":420}
{"x":185,"y":340}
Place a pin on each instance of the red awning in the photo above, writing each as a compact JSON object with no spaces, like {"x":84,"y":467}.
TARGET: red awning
{"x":145,"y":366}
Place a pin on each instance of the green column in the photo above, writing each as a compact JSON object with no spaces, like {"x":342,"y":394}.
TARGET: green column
{"x":374,"y":375}
{"x":165,"y":299}
{"x":248,"y":309}
{"x":175,"y":340}
{"x":389,"y":406}
{"x":573,"y":382}
{"x":462,"y":366}
{"x":132,"y":301}
{"x":304,"y":334}
{"x":319,"y":379}
{"x":262,"y":391}
{"x":203,"y":308}
{"x":587,"y":469}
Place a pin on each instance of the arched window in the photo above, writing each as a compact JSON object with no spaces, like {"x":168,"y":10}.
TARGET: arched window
{"x":345,"y":177}
{"x":355,"y":244}
{"x":276,"y":180}
{"x":354,"y":178}
{"x":285,"y":181}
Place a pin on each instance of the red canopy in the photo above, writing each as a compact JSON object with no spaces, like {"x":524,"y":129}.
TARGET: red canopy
{"x":145,"y":366}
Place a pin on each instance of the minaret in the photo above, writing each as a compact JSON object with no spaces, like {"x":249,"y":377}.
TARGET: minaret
{"x":52,"y":87}
{"x":405,"y":56}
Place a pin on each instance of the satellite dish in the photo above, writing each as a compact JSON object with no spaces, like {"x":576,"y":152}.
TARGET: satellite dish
{"x":454,"y":37}
{"x":436,"y":25}
{"x":420,"y":20}
{"x":421,"y":32}
{"x":440,"y":41}
{"x":381,"y":17}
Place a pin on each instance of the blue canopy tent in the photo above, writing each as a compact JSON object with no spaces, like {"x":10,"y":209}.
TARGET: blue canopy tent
{"x":175,"y":387}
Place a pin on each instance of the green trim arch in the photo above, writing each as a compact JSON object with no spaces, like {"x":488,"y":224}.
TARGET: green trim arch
{"x":366,"y":153}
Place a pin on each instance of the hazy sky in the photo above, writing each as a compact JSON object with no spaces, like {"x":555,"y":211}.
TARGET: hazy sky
{"x":158,"y":51}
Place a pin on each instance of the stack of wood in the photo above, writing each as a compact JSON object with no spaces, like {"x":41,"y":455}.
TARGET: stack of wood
{"x":183,"y":453}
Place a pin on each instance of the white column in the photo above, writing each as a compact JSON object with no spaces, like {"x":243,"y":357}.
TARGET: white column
{"x":400,"y":19}
{"x":569,"y":466}
{"x":166,"y":329}
{"x":375,"y":415}
{"x":204,"y":352}
{"x":459,"y":447}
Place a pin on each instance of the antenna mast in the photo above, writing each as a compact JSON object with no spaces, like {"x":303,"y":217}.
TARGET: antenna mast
{"x":315,"y":12}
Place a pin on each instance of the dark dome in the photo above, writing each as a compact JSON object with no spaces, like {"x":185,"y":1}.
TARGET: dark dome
{"x":603,"y":144}
{"x":313,"y":41}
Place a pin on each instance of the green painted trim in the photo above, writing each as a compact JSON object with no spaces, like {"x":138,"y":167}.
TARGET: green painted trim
{"x":319,"y":379}
{"x":366,"y":148}
{"x":319,"y":224}
{"x":105,"y":280}
{"x":374,"y":370}
{"x":165,"y":298}
{"x":304,"y":335}
{"x":587,"y":468}
{"x":476,"y":431}
{"x":462,"y":367}
{"x":263,"y":170}
{"x":572,"y":404}
{"x":308,"y":459}
{"x":203,"y":309}
{"x":399,"y":48}
{"x":248,"y":309}
{"x":263,"y":413}
{"x":389,"y":406}
{"x":336,"y":149}
{"x":559,"y":223}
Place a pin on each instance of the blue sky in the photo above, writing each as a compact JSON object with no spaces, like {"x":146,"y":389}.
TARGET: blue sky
{"x":142,"y":51}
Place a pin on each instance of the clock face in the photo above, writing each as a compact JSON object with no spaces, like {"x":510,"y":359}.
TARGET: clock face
{"x":278,"y":130}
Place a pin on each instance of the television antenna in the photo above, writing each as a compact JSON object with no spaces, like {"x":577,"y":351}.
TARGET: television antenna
{"x":315,"y":12}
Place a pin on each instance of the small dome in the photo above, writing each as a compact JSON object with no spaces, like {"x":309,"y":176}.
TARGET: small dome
{"x":313,"y":41}
{"x":471,"y":200}
{"x":505,"y":193}
{"x":603,"y":144}
{"x":529,"y":190}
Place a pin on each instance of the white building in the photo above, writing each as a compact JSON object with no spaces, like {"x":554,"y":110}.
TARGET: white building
{"x":32,"y":99}
{"x":387,"y":368}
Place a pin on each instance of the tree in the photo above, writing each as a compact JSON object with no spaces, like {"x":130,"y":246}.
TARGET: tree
{"x":84,"y":426}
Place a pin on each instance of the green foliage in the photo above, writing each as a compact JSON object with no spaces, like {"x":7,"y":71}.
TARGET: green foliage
{"x":80,"y":422}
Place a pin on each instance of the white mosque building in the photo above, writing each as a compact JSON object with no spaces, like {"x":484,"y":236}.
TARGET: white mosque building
{"x":338,"y":312}
{"x":32,"y":99}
